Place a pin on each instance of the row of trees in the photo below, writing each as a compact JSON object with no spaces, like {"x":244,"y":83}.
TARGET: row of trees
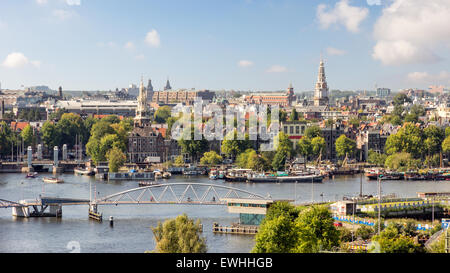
{"x":413,"y":147}
{"x":108,"y":141}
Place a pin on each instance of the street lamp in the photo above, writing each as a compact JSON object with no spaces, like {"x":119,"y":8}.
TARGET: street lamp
{"x":379,"y":203}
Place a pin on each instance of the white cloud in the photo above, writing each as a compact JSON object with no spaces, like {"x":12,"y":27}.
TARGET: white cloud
{"x":335,"y":52}
{"x":18,"y":60}
{"x":73,"y":2}
{"x":152,"y":38}
{"x":349,"y":16}
{"x":245,"y":63}
{"x":276,"y":69}
{"x":63,"y":14}
{"x":130,"y":46}
{"x":41,"y":2}
{"x":412,"y":31}
{"x":424,"y":77}
{"x":374,"y":2}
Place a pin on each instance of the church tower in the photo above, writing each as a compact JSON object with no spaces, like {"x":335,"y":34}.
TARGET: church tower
{"x":290,"y":94}
{"x":142,"y":118}
{"x":168,"y":87}
{"x":60,"y":93}
{"x":149,"y":90}
{"x":321,"y":90}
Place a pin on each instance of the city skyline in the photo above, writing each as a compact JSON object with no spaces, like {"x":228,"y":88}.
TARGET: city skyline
{"x":240,"y":45}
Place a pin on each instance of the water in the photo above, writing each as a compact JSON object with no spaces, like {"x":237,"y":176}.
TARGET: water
{"x":132,"y":232}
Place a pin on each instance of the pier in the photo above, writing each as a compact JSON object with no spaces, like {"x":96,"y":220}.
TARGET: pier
{"x":235,"y":229}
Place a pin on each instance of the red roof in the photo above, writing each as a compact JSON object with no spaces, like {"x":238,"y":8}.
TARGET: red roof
{"x":16,"y":126}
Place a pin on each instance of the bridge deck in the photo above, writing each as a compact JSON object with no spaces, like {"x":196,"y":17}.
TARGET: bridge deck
{"x":157,"y":202}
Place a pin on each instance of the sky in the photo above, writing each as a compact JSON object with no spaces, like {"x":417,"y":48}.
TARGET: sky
{"x":224,"y":44}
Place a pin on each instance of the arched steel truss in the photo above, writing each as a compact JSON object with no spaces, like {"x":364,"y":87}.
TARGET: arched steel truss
{"x":193,"y":193}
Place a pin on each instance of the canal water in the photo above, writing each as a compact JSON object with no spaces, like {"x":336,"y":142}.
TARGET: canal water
{"x":132,"y":223}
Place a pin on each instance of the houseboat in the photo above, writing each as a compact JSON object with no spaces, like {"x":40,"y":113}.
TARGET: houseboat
{"x":300,"y":178}
{"x":237,"y":175}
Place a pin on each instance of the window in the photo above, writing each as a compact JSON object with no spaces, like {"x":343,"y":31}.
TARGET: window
{"x":297,"y":130}
{"x":291,"y":129}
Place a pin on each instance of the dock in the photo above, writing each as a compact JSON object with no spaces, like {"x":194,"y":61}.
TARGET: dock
{"x":237,"y":229}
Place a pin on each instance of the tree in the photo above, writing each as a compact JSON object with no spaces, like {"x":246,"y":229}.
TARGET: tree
{"x":318,"y":145}
{"x":233,"y":147}
{"x":277,"y":235}
{"x":344,"y":145}
{"x":316,"y":230}
{"x":51,"y":135}
{"x":94,"y":151}
{"x":305,"y":148}
{"x":408,"y":139}
{"x":279,"y":208}
{"x":179,"y":161}
{"x":70,"y":125}
{"x":313,"y":131}
{"x":433,"y":139}
{"x":116,"y":159}
{"x":282,"y":115}
{"x":400,"y":99}
{"x":364,"y":232}
{"x":294,"y":115}
{"x":27,"y":135}
{"x":179,"y":235}
{"x":402,"y":162}
{"x":191,"y":146}
{"x":279,"y":161}
{"x":162,"y":114}
{"x":376,"y":158}
{"x":211,"y":158}
{"x":446,"y":145}
{"x":7,"y":139}
{"x":391,"y":240}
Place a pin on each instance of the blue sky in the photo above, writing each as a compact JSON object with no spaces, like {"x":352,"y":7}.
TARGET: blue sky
{"x":226,"y":44}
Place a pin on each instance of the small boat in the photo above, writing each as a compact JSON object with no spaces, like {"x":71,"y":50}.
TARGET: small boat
{"x":86,"y":171}
{"x":31,"y":175}
{"x":52,"y":180}
{"x":166,"y":175}
{"x":157,"y":174}
{"x":213,"y":174}
{"x":146,"y":183}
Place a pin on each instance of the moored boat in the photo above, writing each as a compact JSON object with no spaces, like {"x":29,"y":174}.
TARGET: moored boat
{"x":146,"y":183}
{"x":262,"y":178}
{"x":84,"y":171}
{"x":31,"y":175}
{"x":237,"y":175}
{"x":300,"y":178}
{"x":52,"y":180}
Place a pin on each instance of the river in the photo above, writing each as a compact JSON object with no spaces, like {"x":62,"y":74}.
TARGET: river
{"x":132,"y":223}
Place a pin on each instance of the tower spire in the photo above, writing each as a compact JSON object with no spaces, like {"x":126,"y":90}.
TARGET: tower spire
{"x":321,"y":90}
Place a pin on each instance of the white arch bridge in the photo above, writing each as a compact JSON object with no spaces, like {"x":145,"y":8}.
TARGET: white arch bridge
{"x":170,"y":193}
{"x":178,"y":193}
